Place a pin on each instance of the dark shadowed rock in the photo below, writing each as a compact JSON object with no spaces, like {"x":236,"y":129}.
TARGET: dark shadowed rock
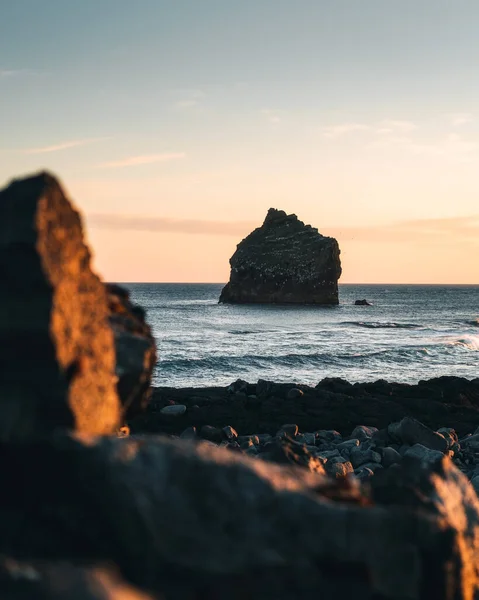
{"x":62,"y":581}
{"x":284,"y":261}
{"x":57,"y":355}
{"x":362,"y":302}
{"x":194,"y":522}
{"x":135,"y":350}
{"x":331,"y":405}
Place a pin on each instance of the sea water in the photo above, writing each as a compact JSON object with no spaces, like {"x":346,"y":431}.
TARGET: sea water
{"x":411,"y":332}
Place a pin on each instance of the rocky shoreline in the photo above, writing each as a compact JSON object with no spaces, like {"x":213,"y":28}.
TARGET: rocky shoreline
{"x":271,"y":491}
{"x":335,"y":428}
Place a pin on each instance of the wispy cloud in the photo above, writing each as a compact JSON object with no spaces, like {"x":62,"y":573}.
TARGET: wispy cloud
{"x":458,"y":119}
{"x":188,"y":98}
{"x":335,"y":131}
{"x":463,"y":229}
{"x":145,"y":159}
{"x":164,"y":225}
{"x":63,"y":145}
{"x":394,"y":126}
{"x":273,"y":116}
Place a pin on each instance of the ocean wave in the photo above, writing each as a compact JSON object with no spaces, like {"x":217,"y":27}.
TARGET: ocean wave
{"x":382,"y":325}
{"x":468,"y":342}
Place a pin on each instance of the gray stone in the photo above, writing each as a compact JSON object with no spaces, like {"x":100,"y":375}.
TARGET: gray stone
{"x":411,"y":432}
{"x":424,"y":454}
{"x":360,"y":457}
{"x":189,"y":434}
{"x":57,"y":349}
{"x":173,"y":410}
{"x":212,"y":434}
{"x":327,"y":435}
{"x":289,"y":429}
{"x":306,"y":438}
{"x":230,"y":433}
{"x":363,"y":473}
{"x":294,"y":394}
{"x":390,"y":456}
{"x":363,"y":432}
{"x":349,"y":444}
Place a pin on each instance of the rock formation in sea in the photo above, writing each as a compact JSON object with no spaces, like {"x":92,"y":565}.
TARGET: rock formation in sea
{"x":57,"y":353}
{"x":284,"y":261}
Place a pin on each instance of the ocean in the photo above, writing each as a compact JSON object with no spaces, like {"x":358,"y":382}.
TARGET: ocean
{"x":411,"y":332}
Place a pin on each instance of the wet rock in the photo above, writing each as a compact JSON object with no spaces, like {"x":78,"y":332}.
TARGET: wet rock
{"x":173,"y":410}
{"x":135,"y":351}
{"x":57,"y":351}
{"x":294,"y":394}
{"x":362,"y":302}
{"x":284,"y":261}
{"x":238,"y":386}
{"x":410,"y":431}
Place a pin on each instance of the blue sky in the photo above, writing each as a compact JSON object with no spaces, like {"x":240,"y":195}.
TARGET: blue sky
{"x":350,"y":113}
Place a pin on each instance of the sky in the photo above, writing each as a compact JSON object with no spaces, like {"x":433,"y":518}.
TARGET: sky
{"x":175,"y":124}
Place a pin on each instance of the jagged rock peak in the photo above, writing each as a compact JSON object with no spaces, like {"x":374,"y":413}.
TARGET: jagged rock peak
{"x":284,"y":261}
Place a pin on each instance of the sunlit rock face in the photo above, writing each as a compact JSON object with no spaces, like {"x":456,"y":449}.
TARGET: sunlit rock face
{"x":57,"y":349}
{"x":286,"y":262}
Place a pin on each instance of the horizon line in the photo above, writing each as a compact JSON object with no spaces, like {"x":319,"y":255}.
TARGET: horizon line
{"x":340,"y":284}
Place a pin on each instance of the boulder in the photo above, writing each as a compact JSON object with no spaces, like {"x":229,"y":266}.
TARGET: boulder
{"x":410,"y":431}
{"x":57,"y":350}
{"x":284,"y":261}
{"x":189,"y":521}
{"x":135,"y":350}
{"x":362,"y":302}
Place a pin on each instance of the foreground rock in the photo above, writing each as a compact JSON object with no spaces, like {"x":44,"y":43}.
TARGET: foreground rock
{"x":284,"y":261}
{"x":57,"y":354}
{"x":135,"y":351}
{"x":62,"y":581}
{"x":188,"y":521}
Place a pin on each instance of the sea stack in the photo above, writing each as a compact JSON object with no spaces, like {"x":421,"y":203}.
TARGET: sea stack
{"x":284,"y":262}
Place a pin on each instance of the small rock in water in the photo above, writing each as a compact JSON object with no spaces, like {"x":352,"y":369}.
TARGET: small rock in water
{"x":362,"y":302}
{"x":174,"y":410}
{"x":295,"y":393}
